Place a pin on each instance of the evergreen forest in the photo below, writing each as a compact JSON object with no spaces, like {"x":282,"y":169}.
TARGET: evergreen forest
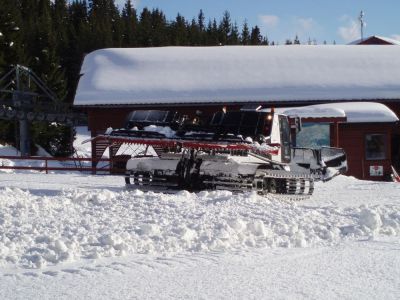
{"x":52,"y":38}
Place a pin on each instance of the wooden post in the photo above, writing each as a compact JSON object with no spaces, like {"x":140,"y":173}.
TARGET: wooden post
{"x":337,"y":134}
{"x":363,"y":168}
{"x":94,"y":157}
{"x":111,"y":156}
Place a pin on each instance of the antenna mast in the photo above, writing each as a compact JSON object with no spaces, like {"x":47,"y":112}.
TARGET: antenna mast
{"x":362,"y":24}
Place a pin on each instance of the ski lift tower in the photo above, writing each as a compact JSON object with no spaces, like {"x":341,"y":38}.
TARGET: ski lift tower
{"x":25,"y":98}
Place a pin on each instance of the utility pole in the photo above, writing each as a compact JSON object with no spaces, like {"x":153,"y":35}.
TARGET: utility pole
{"x":362,"y":24}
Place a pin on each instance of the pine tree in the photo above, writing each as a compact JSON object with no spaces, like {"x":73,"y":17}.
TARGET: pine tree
{"x":51,"y":136}
{"x":256,"y":37}
{"x":144,"y":29}
{"x":202,"y":29}
{"x":265,"y":41}
{"x":194,"y":34}
{"x":2,"y":59}
{"x":100,"y":19}
{"x":245,"y":36}
{"x":225,"y":28}
{"x":159,"y":34}
{"x":200,"y":20}
{"x":234,"y":38}
{"x":29,"y":12}
{"x":79,"y":29}
{"x":7,"y":132}
{"x":47,"y":62}
{"x":11,"y":53}
{"x":116,"y":24}
{"x":60,"y":25}
{"x":129,"y":25}
{"x":47,"y":66}
{"x":79,"y":37}
{"x":11,"y":38}
{"x":180,"y":32}
{"x":212,"y":33}
{"x":296,"y":40}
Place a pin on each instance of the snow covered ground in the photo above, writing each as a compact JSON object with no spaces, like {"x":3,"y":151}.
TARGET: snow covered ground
{"x":77,"y":236}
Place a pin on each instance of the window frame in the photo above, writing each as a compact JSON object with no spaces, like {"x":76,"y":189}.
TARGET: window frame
{"x":305,"y":126}
{"x":385,"y":146}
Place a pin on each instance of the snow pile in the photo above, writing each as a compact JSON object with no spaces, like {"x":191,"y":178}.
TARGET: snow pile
{"x":37,"y":230}
{"x":266,"y":147}
{"x":165,"y":130}
{"x":82,"y":149}
{"x":6,"y":150}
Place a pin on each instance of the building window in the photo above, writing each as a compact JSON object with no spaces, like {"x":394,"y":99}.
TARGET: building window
{"x":313,"y":135}
{"x":375,"y":146}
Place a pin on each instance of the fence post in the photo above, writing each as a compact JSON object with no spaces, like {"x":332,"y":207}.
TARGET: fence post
{"x":45,"y":161}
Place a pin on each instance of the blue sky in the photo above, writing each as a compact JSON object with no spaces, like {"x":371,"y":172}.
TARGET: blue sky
{"x":281,"y":19}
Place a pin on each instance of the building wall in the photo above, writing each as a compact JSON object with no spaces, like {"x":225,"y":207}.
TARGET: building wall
{"x":352,"y":138}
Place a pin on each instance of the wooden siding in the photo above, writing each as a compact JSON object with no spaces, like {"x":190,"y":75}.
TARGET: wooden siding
{"x":352,"y":140}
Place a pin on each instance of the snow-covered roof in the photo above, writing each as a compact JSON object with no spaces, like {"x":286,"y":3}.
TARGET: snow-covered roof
{"x":313,"y":111}
{"x":385,"y":39}
{"x":355,"y":112}
{"x":239,"y":74}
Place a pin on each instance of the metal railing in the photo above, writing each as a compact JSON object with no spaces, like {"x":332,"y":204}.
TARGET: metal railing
{"x":71,"y":164}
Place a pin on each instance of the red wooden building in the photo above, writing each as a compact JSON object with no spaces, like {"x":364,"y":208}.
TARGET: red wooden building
{"x":366,"y":130}
{"x":186,"y":79}
{"x":376,"y":40}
